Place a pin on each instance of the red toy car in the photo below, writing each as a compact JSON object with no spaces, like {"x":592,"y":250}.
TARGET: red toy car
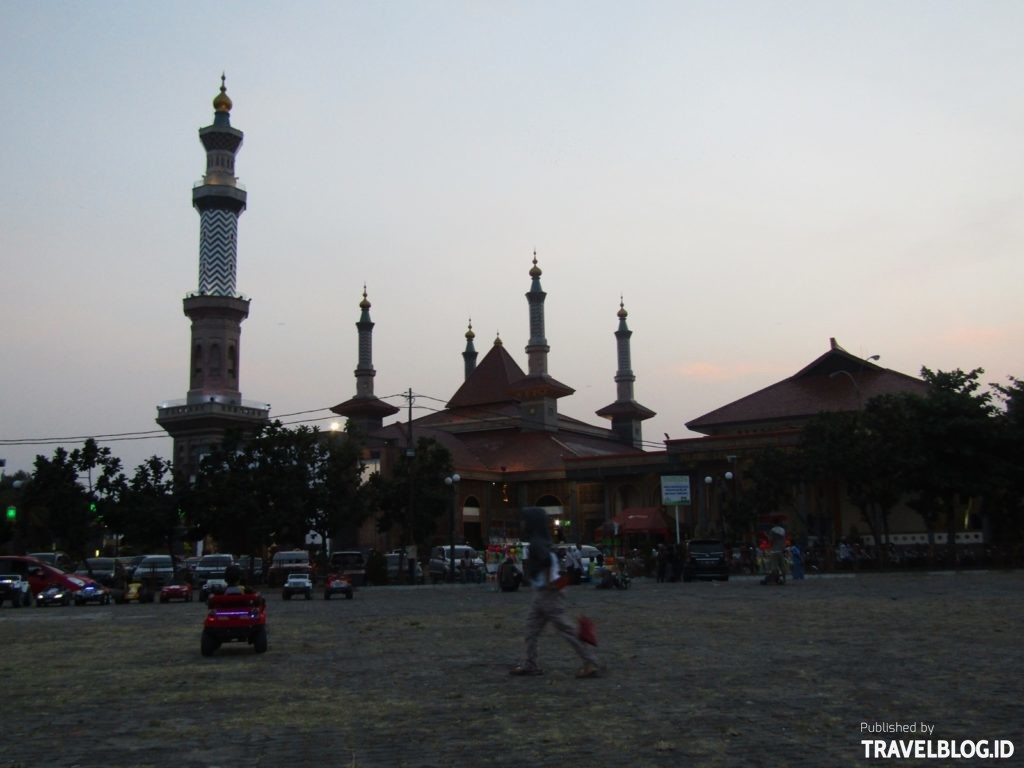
{"x":178,"y":590}
{"x":338,"y":584}
{"x":235,"y":618}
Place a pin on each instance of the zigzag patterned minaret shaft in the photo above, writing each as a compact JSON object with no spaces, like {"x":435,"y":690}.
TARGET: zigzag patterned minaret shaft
{"x":214,"y":402}
{"x":218,"y":249}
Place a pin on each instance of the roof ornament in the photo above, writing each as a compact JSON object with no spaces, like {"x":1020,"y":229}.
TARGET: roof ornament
{"x":365,"y":303}
{"x":497,"y":340}
{"x":535,"y":270}
{"x":469,"y":334}
{"x":221,"y":102}
{"x":622,"y":308}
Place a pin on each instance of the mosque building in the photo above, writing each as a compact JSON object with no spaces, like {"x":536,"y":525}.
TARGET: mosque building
{"x":510,"y":445}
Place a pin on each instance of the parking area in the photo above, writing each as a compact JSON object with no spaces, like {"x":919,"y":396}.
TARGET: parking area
{"x":703,"y":674}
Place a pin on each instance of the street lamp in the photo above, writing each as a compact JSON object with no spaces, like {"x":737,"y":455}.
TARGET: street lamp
{"x":453,"y":482}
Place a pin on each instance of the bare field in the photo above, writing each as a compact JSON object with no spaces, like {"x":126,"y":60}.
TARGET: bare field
{"x":702,"y":674}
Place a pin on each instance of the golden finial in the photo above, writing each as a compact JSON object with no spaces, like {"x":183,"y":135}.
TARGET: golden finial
{"x":622,"y":308}
{"x":535,"y":270}
{"x":469,"y":334}
{"x":497,"y":340}
{"x":365,"y":303}
{"x":221,"y":102}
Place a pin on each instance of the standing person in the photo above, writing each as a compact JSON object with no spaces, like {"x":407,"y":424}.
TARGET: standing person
{"x":798,"y":562}
{"x":661,"y":562}
{"x":541,"y":570}
{"x":774,"y":573}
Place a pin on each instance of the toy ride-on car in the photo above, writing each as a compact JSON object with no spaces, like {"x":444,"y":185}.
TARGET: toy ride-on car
{"x":235,"y":618}
{"x":297,"y":584}
{"x":93,"y":593}
{"x":338,"y":584}
{"x":176,"y":590}
{"x":53,"y":596}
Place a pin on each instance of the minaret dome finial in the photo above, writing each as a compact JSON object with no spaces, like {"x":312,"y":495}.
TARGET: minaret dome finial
{"x":221,"y":102}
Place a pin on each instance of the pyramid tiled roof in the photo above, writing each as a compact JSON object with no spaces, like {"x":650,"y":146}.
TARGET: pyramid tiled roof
{"x":490,"y":381}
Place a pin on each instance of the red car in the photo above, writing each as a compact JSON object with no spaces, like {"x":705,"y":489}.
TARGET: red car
{"x":41,"y":576}
{"x":179,"y":590}
{"x":235,"y":618}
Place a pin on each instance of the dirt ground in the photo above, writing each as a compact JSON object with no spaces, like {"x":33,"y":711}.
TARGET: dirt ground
{"x":701,"y":674}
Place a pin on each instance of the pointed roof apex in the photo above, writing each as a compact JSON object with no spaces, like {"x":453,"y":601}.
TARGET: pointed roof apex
{"x":469,"y":333}
{"x":622,"y":308}
{"x":497,"y":340}
{"x":365,"y":303}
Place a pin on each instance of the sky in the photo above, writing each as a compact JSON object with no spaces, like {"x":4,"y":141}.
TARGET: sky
{"x":751,"y":178}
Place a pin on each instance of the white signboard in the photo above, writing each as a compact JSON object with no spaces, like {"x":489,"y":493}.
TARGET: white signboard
{"x":675,"y":489}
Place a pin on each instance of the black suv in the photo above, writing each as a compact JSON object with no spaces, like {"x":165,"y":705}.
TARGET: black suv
{"x":706,"y":559}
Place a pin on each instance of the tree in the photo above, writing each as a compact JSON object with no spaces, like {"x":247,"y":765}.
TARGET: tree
{"x":954,"y":450}
{"x":860,"y":450}
{"x":149,"y":511}
{"x":1004,"y":508}
{"x":252,"y":491}
{"x":340,"y":498}
{"x":421,"y":480}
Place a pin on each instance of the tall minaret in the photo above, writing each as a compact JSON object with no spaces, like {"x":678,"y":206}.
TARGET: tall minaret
{"x":626,"y":414}
{"x":469,"y":356}
{"x":366,"y":411}
{"x":537,"y":392}
{"x":214,"y":402}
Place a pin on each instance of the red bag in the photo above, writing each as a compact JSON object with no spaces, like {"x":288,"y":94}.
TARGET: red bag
{"x":586,"y":631}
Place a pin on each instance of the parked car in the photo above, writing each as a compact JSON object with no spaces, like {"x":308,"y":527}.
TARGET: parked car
{"x":39,"y":575}
{"x":60,"y":560}
{"x":130,"y":564}
{"x":338,"y":584}
{"x":350,"y":563}
{"x":705,"y":559}
{"x":179,"y":589}
{"x":439,"y":563}
{"x":211,"y":567}
{"x":92,"y":593}
{"x":252,"y":569}
{"x":108,"y":571}
{"x":15,"y":589}
{"x":190,"y":567}
{"x":288,"y":562}
{"x":297,"y":584}
{"x":155,"y":570}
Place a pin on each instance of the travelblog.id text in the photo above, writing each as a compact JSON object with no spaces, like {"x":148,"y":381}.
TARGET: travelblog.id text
{"x":922,"y":745}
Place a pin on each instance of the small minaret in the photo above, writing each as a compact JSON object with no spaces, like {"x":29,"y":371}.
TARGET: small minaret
{"x":469,"y":356}
{"x":626,"y":414}
{"x":537,"y":392}
{"x":365,"y":411}
{"x":214,"y":403}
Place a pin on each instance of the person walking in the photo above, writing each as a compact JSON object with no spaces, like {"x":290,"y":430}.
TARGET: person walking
{"x":548,"y":606}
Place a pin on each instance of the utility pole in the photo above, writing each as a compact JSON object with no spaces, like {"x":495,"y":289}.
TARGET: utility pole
{"x":410,"y":457}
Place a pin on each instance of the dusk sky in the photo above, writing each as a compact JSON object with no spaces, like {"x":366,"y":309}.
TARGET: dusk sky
{"x":752,"y":178}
